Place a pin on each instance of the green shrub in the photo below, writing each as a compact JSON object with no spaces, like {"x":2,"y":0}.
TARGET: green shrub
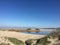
{"x":28,"y":42}
{"x":4,"y":44}
{"x":15,"y":41}
{"x":43,"y":41}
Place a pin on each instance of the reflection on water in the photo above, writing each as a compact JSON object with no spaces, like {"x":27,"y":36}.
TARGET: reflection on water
{"x":42,"y":32}
{"x":39,"y":33}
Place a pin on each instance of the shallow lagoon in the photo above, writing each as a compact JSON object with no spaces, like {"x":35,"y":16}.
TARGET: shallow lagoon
{"x":38,"y":33}
{"x":42,"y":32}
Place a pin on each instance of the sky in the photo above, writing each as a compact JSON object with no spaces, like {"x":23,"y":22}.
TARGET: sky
{"x":30,"y":13}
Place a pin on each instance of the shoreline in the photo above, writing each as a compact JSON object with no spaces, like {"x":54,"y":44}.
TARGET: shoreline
{"x":20,"y":36}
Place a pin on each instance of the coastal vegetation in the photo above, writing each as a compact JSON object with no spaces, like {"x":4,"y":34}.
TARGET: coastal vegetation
{"x":37,"y":30}
{"x":41,"y":41}
{"x":27,"y":30}
{"x":4,"y":44}
{"x":29,"y":42}
{"x":46,"y":40}
{"x":15,"y":41}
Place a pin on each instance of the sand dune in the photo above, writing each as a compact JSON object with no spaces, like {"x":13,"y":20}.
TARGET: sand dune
{"x":20,"y":36}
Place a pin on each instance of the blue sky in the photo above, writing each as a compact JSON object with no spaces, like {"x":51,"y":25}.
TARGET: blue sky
{"x":30,"y":13}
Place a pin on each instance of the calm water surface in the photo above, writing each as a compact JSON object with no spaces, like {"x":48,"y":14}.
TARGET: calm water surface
{"x":42,"y":32}
{"x":38,"y":33}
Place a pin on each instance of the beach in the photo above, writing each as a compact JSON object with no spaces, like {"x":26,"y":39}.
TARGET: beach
{"x":20,"y":36}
